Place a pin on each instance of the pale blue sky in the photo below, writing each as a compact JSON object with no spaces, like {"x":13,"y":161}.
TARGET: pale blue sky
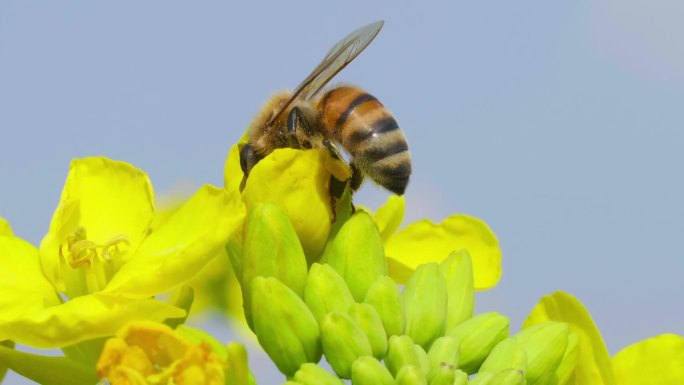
{"x":561,"y":124}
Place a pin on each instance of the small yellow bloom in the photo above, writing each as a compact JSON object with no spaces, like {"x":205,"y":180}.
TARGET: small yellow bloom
{"x":298,"y":182}
{"x":424,"y":242}
{"x":658,"y":359}
{"x":149,"y":353}
{"x":100,"y":264}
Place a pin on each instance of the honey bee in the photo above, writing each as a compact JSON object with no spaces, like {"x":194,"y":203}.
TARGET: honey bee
{"x":346,"y":115}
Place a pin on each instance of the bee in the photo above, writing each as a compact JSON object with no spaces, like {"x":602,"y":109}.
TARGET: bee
{"x":345,"y":115}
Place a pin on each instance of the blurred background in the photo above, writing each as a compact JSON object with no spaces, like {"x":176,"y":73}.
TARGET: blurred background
{"x":561,"y":124}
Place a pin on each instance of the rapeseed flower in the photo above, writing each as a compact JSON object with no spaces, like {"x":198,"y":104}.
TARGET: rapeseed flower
{"x":100,"y":265}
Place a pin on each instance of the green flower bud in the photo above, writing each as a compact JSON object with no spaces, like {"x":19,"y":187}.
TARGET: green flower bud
{"x":237,"y":372}
{"x":411,"y":375}
{"x":508,"y":377}
{"x":385,"y":297}
{"x":545,"y":345}
{"x":357,"y":254}
{"x":458,"y":271}
{"x":271,"y":249}
{"x":326,"y":291}
{"x":460,"y":377}
{"x":369,"y":371}
{"x":290,"y":382}
{"x":284,"y":326}
{"x":312,"y":374}
{"x":443,"y":352}
{"x":369,"y":320}
{"x":569,"y":361}
{"x":343,"y":342}
{"x":506,"y":354}
{"x":400,"y":352}
{"x":481,"y":379}
{"x":443,"y":375}
{"x":477,"y":337}
{"x":425,"y":301}
{"x":423,"y":360}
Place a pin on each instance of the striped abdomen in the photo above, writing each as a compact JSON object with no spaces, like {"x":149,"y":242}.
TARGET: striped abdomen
{"x":365,"y":128}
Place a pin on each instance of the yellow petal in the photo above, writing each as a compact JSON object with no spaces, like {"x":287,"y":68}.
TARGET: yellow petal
{"x":389,"y":216}
{"x":657,"y":360}
{"x":23,"y":287}
{"x":298,"y":182}
{"x":83,"y":318}
{"x":424,"y":241}
{"x":593,"y":361}
{"x":105,"y":197}
{"x":182,"y":245}
{"x":5,"y":228}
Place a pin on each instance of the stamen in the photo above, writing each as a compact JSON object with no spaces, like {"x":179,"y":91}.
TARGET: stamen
{"x":81,"y":252}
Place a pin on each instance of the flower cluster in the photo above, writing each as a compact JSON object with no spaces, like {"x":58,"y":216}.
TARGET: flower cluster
{"x":114,"y":280}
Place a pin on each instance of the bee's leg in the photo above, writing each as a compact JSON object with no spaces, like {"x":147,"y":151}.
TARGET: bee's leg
{"x":336,"y":189}
{"x":333,"y":149}
{"x":356,"y":178}
{"x":248,"y":159}
{"x":294,"y":119}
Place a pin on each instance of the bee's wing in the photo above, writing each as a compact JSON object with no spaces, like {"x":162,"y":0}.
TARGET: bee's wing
{"x":334,"y":61}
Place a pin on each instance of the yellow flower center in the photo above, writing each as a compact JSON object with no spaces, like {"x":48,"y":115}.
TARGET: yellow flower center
{"x":88,"y":265}
{"x":78,"y":251}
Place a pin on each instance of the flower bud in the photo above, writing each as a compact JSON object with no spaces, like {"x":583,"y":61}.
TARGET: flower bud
{"x":477,"y":337}
{"x":284,"y":326}
{"x":369,"y":320}
{"x":461,"y":377}
{"x":425,"y":300}
{"x":411,"y":375}
{"x":545,"y":344}
{"x":312,"y":374}
{"x":291,"y":382}
{"x":481,"y":379}
{"x":458,"y":272}
{"x":343,"y":342}
{"x":237,"y":372}
{"x":423,"y":361}
{"x":384,"y":296}
{"x":569,"y":361}
{"x":506,"y":354}
{"x":356,"y":253}
{"x":443,"y":375}
{"x":400,"y":352}
{"x":369,"y":371}
{"x":508,"y":377}
{"x":443,"y":352}
{"x":271,"y":249}
{"x":326,"y":291}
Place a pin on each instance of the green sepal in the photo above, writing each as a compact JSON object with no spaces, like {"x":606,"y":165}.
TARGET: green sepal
{"x":458,"y":272}
{"x":425,"y":304}
{"x":357,"y":254}
{"x":367,"y":317}
{"x":237,"y":372}
{"x":506,"y":354}
{"x":325,"y":291}
{"x":569,"y":362}
{"x":368,"y":370}
{"x":443,"y":352}
{"x":545,"y":345}
{"x":442,"y":375}
{"x":477,"y":337}
{"x":343,"y":342}
{"x":271,"y":249}
{"x":284,"y":325}
{"x":411,"y":375}
{"x":47,"y":370}
{"x":183,"y":299}
{"x":385,"y":297}
{"x":400,"y":352}
{"x":312,"y":374}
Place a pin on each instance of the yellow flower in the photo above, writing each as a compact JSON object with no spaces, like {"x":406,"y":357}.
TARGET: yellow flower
{"x":99,"y":266}
{"x":424,"y":242}
{"x":298,"y":182}
{"x":149,"y":353}
{"x":658,"y":360}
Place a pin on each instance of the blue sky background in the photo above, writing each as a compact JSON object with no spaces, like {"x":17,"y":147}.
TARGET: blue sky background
{"x":561,"y":124}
